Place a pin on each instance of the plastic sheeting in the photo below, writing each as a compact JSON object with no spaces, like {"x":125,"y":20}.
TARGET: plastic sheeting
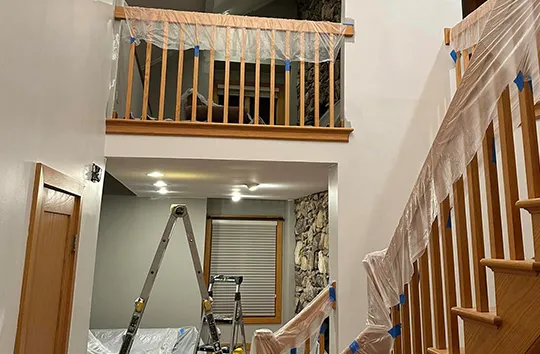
{"x":147,"y":341}
{"x":310,"y":41}
{"x":294,"y":333}
{"x":467,"y":33}
{"x":507,"y":46}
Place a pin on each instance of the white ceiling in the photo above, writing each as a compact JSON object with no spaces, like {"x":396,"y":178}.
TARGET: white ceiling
{"x":220,"y":178}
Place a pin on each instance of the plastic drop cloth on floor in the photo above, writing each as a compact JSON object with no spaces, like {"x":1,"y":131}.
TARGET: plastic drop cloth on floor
{"x":147,"y":341}
{"x":506,"y":56}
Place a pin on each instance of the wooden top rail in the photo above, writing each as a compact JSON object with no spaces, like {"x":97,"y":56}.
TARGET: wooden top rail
{"x":209,"y":19}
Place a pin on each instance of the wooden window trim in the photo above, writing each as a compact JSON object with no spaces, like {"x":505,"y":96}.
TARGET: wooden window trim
{"x":50,"y":178}
{"x":279,"y":261}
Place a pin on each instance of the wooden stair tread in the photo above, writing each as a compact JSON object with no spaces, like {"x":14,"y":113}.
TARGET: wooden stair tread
{"x":490,"y":318}
{"x":511,"y":266}
{"x":530,"y":204}
{"x":442,"y":351}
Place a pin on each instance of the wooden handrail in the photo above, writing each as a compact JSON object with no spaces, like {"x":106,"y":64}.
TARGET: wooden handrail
{"x":209,"y":19}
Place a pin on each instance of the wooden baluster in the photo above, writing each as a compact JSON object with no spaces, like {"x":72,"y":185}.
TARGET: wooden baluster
{"x":492,"y":192}
{"x":163,"y":71}
{"x":257,"y":76}
{"x":532,"y":158}
{"x":211,"y":77}
{"x":287,"y":78}
{"x":331,"y":75}
{"x":415,"y":311}
{"x":321,"y":340}
{"x":179,"y":76}
{"x":195,"y":76}
{"x":436,"y":279}
{"x":462,"y":244}
{"x":273,"y":79}
{"x":396,"y":320}
{"x":511,"y":192}
{"x":307,"y":348}
{"x":242,"y":77}
{"x":227,"y":76}
{"x":427,"y":332}
{"x":458,"y":68}
{"x":465,"y":59}
{"x":477,"y":236}
{"x":450,"y":280}
{"x":316,"y":100}
{"x":406,"y":322}
{"x":302,"y":80}
{"x":129,"y":90}
{"x":147,"y":66}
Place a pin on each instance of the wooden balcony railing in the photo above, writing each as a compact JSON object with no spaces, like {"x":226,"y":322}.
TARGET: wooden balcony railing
{"x":249,"y":41}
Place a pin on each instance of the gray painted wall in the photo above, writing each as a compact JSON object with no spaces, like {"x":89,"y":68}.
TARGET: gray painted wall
{"x":129,"y":233}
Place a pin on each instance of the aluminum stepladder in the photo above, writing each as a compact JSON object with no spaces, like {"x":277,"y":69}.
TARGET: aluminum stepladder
{"x":237,"y":320}
{"x":177,"y":211}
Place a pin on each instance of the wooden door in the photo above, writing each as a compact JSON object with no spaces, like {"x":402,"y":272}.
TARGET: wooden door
{"x":47,"y":291}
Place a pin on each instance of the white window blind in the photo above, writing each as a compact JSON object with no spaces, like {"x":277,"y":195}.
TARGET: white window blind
{"x":245,"y":248}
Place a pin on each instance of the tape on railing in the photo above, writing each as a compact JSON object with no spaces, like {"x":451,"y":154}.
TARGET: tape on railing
{"x":293,"y":351}
{"x":287,"y":65}
{"x":395,"y":331}
{"x":519,"y":81}
{"x":493,"y":152}
{"x":453,"y":54}
{"x":354,"y":347}
{"x":196,"y":50}
{"x":449,"y":221}
{"x":321,"y":330}
{"x":332,"y":294}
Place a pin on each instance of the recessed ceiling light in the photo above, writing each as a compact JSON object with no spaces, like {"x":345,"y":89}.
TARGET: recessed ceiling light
{"x":163,"y":191}
{"x":160,"y":184}
{"x":236,"y":197}
{"x":156,"y":174}
{"x":252,"y":186}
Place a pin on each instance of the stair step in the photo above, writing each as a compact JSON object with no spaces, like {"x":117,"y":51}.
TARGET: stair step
{"x":490,"y":318}
{"x":443,"y":351}
{"x":532,"y":205}
{"x":514,"y":267}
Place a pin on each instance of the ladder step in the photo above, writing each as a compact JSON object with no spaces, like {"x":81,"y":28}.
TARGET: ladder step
{"x":210,"y":349}
{"x":226,"y":320}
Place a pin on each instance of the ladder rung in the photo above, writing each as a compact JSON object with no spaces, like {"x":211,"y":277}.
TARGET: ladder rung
{"x":210,"y":349}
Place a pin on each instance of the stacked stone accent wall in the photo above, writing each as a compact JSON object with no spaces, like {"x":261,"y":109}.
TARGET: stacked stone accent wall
{"x":319,"y":10}
{"x":311,"y":251}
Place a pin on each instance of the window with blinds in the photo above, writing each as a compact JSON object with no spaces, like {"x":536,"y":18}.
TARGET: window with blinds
{"x":246,"y":248}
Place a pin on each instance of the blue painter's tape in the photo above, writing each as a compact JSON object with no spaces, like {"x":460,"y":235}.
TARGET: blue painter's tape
{"x":402,"y":299}
{"x":449,"y":221}
{"x":181,"y":331}
{"x":453,"y":54}
{"x":395,"y":331}
{"x":348,"y":24}
{"x":321,"y":330}
{"x":287,"y":65}
{"x":196,"y":49}
{"x":519,"y":81}
{"x":493,"y":152}
{"x":354,"y":347}
{"x":332,"y":294}
{"x":131,"y":40}
{"x":293,"y":351}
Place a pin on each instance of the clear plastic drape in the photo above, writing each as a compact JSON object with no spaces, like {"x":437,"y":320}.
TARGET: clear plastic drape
{"x":507,"y":46}
{"x":293,"y":40}
{"x":294,"y":333}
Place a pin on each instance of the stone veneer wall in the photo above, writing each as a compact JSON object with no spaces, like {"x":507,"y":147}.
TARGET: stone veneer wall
{"x":319,"y":10}
{"x":311,"y":251}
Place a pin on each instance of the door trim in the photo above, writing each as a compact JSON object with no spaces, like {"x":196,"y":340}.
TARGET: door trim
{"x":46,"y":177}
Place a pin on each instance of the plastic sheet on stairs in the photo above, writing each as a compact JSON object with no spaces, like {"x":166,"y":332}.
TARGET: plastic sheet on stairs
{"x":507,"y":45}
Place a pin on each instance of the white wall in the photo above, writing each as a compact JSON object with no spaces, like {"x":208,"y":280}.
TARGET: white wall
{"x":53,"y":92}
{"x":281,"y":208}
{"x":397,"y":86}
{"x":129,"y":233}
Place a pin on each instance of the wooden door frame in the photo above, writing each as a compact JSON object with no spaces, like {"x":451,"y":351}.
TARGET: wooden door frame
{"x":46,"y":177}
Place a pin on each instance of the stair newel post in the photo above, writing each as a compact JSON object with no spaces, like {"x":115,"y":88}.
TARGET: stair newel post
{"x":511,"y":192}
{"x":532,"y":159}
{"x":450,"y":278}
